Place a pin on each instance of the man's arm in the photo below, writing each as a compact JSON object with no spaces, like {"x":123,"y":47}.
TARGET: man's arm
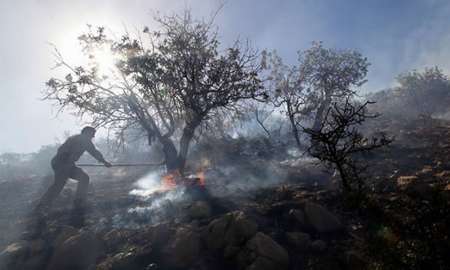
{"x":96,"y":154}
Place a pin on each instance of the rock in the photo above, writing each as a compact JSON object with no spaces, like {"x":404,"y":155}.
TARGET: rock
{"x":131,"y":258}
{"x":319,"y":245}
{"x":37,"y":246}
{"x":268,"y":253}
{"x":65,"y":233}
{"x":240,"y":229}
{"x":443,"y":174}
{"x":159,"y":234}
{"x":301,"y":241}
{"x":37,"y":261}
{"x":215,"y":233}
{"x":298,"y":216}
{"x":447,"y":187}
{"x":115,"y":238}
{"x":232,"y":229}
{"x":183,"y":249}
{"x":427,"y":171}
{"x":404,"y":181}
{"x":14,"y":254}
{"x":354,"y":260}
{"x":320,"y":219}
{"x":18,"y":249}
{"x":230,"y":251}
{"x":420,"y":190}
{"x":199,"y":210}
{"x":77,"y":252}
{"x":24,"y":255}
{"x":262,"y":263}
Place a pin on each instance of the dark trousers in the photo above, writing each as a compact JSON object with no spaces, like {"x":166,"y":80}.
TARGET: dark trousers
{"x":62,"y":173}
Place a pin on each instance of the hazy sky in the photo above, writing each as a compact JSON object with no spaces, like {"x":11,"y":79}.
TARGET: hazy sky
{"x":396,"y":36}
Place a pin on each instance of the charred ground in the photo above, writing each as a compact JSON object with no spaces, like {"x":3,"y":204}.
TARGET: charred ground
{"x":289,"y":215}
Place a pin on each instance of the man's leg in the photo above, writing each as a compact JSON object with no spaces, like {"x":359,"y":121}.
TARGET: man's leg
{"x":61,"y":176}
{"x":82,"y":187}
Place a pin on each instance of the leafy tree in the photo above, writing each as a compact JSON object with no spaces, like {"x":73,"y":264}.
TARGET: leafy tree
{"x":166,"y":84}
{"x":424,"y":93}
{"x":331,"y":75}
{"x":288,"y":90}
{"x":322,"y":76}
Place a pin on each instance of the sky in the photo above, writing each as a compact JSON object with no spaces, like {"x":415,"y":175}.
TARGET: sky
{"x":395,"y":36}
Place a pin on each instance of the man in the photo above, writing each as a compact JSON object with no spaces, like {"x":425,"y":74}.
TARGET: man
{"x":63,"y":164}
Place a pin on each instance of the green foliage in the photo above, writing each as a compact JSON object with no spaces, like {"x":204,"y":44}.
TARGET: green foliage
{"x":323,"y":76}
{"x":426,"y":92}
{"x":420,"y":94}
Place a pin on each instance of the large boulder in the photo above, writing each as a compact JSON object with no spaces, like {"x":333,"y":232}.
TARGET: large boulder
{"x":355,"y":260}
{"x":262,"y":252}
{"x":215,"y":232}
{"x":77,"y":252}
{"x":319,"y":245}
{"x":115,"y":238}
{"x":18,"y":249}
{"x":299,"y":240}
{"x":199,"y":210}
{"x":24,"y":255}
{"x":183,"y":249}
{"x":320,"y":219}
{"x":229,"y":232}
{"x":13,"y":254}
{"x":240,"y":229}
{"x":158,"y":234}
{"x":420,"y":191}
{"x":131,"y":258}
{"x":298,"y":216}
{"x":65,"y":232}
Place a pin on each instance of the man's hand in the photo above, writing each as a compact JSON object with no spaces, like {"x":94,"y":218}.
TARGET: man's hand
{"x":107,"y":164}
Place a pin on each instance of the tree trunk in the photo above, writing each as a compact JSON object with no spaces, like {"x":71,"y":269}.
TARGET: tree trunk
{"x":294,"y":126}
{"x":344,"y":177}
{"x":188,"y":134}
{"x":170,"y":154}
{"x":318,"y":120}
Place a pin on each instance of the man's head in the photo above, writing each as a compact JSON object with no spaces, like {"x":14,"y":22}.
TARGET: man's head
{"x":88,"y":131}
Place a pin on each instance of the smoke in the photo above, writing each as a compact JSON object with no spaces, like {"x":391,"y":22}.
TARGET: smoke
{"x":147,"y":185}
{"x":154,"y":202}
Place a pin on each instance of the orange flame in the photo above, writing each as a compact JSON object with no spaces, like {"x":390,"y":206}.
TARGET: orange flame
{"x":169,"y":181}
{"x":174,"y":178}
{"x":201,"y":177}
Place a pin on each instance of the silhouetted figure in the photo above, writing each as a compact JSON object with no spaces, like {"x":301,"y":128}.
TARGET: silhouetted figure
{"x":63,"y":165}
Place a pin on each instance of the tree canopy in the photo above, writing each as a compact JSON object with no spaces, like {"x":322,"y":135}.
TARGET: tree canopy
{"x":166,"y":82}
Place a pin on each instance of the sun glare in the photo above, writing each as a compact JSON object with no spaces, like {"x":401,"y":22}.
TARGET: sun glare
{"x":104,"y":60}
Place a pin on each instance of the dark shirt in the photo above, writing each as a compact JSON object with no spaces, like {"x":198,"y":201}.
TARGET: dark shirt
{"x":72,"y":149}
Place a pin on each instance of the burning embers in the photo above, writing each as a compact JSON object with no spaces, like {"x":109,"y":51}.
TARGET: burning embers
{"x":155,"y":182}
{"x":174,"y":179}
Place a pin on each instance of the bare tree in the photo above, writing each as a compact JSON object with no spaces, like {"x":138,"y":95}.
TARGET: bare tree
{"x":338,"y":141}
{"x":166,"y":85}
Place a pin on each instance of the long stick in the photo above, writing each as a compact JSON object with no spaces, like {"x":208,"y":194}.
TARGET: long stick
{"x":120,"y":164}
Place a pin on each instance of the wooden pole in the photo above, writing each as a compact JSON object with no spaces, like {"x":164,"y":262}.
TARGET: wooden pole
{"x":120,"y":164}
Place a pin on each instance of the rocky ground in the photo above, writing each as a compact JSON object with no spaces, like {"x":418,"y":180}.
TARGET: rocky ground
{"x":299,"y":221}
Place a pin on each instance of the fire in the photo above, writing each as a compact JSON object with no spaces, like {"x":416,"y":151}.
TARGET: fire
{"x":172,"y":179}
{"x":169,"y":181}
{"x":201,"y":177}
